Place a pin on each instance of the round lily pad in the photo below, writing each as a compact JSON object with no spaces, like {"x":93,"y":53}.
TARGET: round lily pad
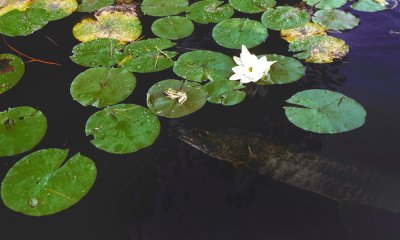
{"x":209,"y":11}
{"x":123,"y":128}
{"x":42,"y":184}
{"x":119,"y":22}
{"x":21,"y":129}
{"x":319,"y":49}
{"x":162,"y":8}
{"x":148,"y":56}
{"x":285,"y":70}
{"x":252,"y":6}
{"x":310,"y":29}
{"x":201,"y":65}
{"x":326,"y":4}
{"x":284,"y":17}
{"x":100,"y":87}
{"x":22,"y":23}
{"x":235,"y":32}
{"x":173,"y":28}
{"x":334,"y":19}
{"x":175,"y":98}
{"x":324,"y":111}
{"x":93,"y":5}
{"x":225,"y":92}
{"x":57,"y":9}
{"x":370,"y":5}
{"x":96,"y":53}
{"x":12,"y":69}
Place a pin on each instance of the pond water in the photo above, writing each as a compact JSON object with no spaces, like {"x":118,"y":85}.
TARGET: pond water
{"x":173,"y":191}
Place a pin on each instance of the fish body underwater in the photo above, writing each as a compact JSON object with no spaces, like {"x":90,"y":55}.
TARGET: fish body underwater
{"x":336,"y":179}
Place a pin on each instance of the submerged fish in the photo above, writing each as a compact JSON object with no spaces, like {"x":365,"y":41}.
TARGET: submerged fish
{"x":336,"y":179}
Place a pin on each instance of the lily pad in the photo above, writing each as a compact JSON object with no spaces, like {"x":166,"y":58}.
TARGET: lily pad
{"x":12,"y":69}
{"x":162,"y":8}
{"x":57,"y":9}
{"x":201,"y":65}
{"x":21,"y":129}
{"x":148,"y":56}
{"x":310,"y":29}
{"x":123,"y":128}
{"x":235,"y":32}
{"x":22,"y":23}
{"x":225,"y":92}
{"x":100,"y":87}
{"x":370,"y":5}
{"x":40,"y":184}
{"x":324,"y":111}
{"x":334,"y":19}
{"x":326,"y":4}
{"x":209,"y":11}
{"x":9,"y":5}
{"x":98,"y":52}
{"x":173,"y":28}
{"x":319,"y":49}
{"x":284,"y":17}
{"x":175,"y":98}
{"x":119,"y":22}
{"x":285,"y":70}
{"x":93,"y":5}
{"x":252,"y":6}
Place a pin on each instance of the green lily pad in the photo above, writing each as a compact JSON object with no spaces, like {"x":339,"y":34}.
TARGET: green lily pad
{"x":93,"y":5}
{"x":235,"y":32}
{"x":324,"y":111}
{"x":96,"y":53}
{"x":40,"y":184}
{"x":319,"y":49}
{"x":326,"y":4}
{"x":225,"y":92}
{"x":22,"y":23}
{"x":57,"y":9}
{"x":201,"y":65}
{"x":175,"y":98}
{"x":148,"y":56}
{"x":370,"y":5}
{"x":334,"y":19}
{"x":162,"y":8}
{"x":12,"y":69}
{"x":285,"y":70}
{"x":173,"y":28}
{"x":123,"y":128}
{"x":209,"y":11}
{"x":284,"y":17}
{"x":310,"y":29}
{"x":117,"y":22}
{"x":100,"y":87}
{"x":252,"y":6}
{"x":21,"y":129}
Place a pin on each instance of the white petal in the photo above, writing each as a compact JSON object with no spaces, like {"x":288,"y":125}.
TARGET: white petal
{"x":240,"y":70}
{"x":235,"y":77}
{"x":237,"y":60}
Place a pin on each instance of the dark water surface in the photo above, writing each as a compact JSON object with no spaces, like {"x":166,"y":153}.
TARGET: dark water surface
{"x":171,"y":191}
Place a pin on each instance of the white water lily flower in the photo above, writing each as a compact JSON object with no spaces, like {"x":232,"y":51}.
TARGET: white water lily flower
{"x":250,"y":68}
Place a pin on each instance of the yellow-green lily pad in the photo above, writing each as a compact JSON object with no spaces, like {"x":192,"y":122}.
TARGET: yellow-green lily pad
{"x":57,"y":9}
{"x":319,"y":49}
{"x":10,"y":5}
{"x":310,"y":29}
{"x":119,"y":22}
{"x":93,"y":5}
